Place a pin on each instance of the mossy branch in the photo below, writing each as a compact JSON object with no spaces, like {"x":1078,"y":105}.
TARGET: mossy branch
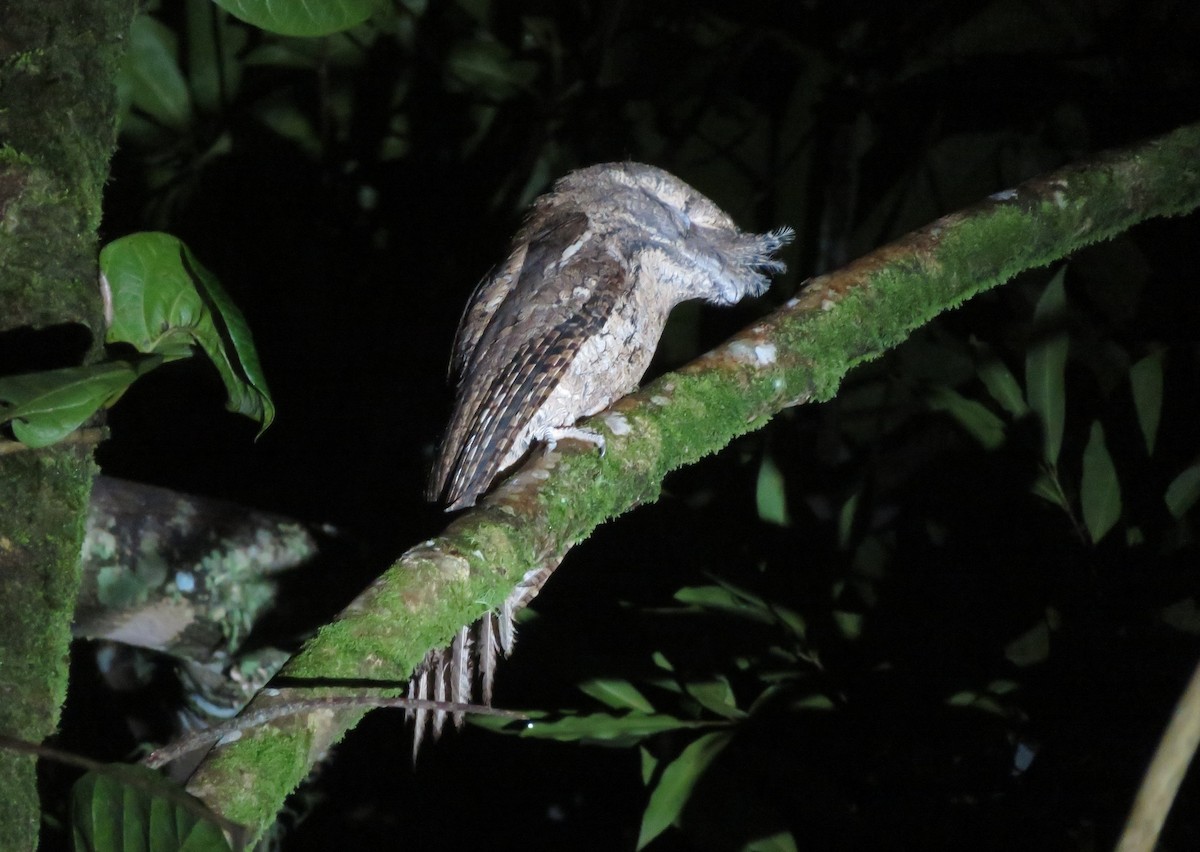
{"x":798,"y":354}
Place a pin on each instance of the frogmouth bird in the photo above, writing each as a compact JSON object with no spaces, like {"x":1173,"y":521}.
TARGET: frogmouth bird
{"x":569,"y":322}
{"x":566,"y":325}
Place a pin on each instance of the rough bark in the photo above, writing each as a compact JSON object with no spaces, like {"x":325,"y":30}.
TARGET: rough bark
{"x":58,"y":62}
{"x":183,"y":575}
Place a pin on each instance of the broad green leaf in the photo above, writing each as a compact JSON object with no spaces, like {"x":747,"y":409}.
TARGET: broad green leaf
{"x":1000,"y":382}
{"x":134,"y":809}
{"x":1099,"y":490}
{"x":299,"y":17}
{"x":716,"y":696}
{"x":771,"y":494}
{"x":781,"y":842}
{"x":1146,"y":382}
{"x":1046,"y":366}
{"x":46,"y":407}
{"x":164,"y":301}
{"x":150,"y":77}
{"x":617,"y":694}
{"x":675,"y":786}
{"x":1183,"y":492}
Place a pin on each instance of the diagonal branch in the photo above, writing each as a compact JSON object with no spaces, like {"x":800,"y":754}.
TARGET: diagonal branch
{"x":798,"y":354}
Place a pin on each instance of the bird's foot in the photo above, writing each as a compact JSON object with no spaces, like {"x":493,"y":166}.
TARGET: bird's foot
{"x":555,"y":434}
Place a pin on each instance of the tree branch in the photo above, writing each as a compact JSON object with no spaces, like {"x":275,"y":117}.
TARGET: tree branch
{"x":183,"y":575}
{"x":1165,"y":773}
{"x":798,"y":354}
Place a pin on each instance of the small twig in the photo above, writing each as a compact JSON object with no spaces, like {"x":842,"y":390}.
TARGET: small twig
{"x":234,"y":728}
{"x":1165,"y":774}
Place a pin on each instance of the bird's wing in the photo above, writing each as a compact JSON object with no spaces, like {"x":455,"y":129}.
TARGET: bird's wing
{"x":519,"y":347}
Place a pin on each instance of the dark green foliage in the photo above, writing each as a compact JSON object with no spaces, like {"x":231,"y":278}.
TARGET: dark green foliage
{"x":134,"y":809}
{"x":163,"y":303}
{"x":952,"y":630}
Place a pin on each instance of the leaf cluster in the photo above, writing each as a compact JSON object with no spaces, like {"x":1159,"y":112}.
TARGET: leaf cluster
{"x":161,"y":303}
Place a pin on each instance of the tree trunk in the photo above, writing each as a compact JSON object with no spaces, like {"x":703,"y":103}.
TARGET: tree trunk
{"x":58,"y":106}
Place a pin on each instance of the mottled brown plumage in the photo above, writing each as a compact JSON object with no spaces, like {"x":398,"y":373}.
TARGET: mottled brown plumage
{"x":567,"y":324}
{"x":570,"y":321}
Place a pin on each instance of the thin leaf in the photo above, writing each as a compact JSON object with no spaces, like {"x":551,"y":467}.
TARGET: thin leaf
{"x":793,"y":621}
{"x":1183,"y":492}
{"x":724,"y":599}
{"x":675,"y":786}
{"x":299,"y":17}
{"x":977,"y":701}
{"x":151,"y":77}
{"x":771,"y":494}
{"x":984,"y":426}
{"x":649,"y":764}
{"x":617,"y":694}
{"x":781,"y":842}
{"x":1099,"y":490}
{"x":1000,"y":382}
{"x":1046,"y":486}
{"x":604,"y":727}
{"x":214,"y":46}
{"x":46,"y":407}
{"x":1146,"y":382}
{"x":1046,"y":366}
{"x":816,"y":701}
{"x":716,"y":696}
{"x":232,"y":350}
{"x":846,"y":517}
{"x":164,"y":301}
